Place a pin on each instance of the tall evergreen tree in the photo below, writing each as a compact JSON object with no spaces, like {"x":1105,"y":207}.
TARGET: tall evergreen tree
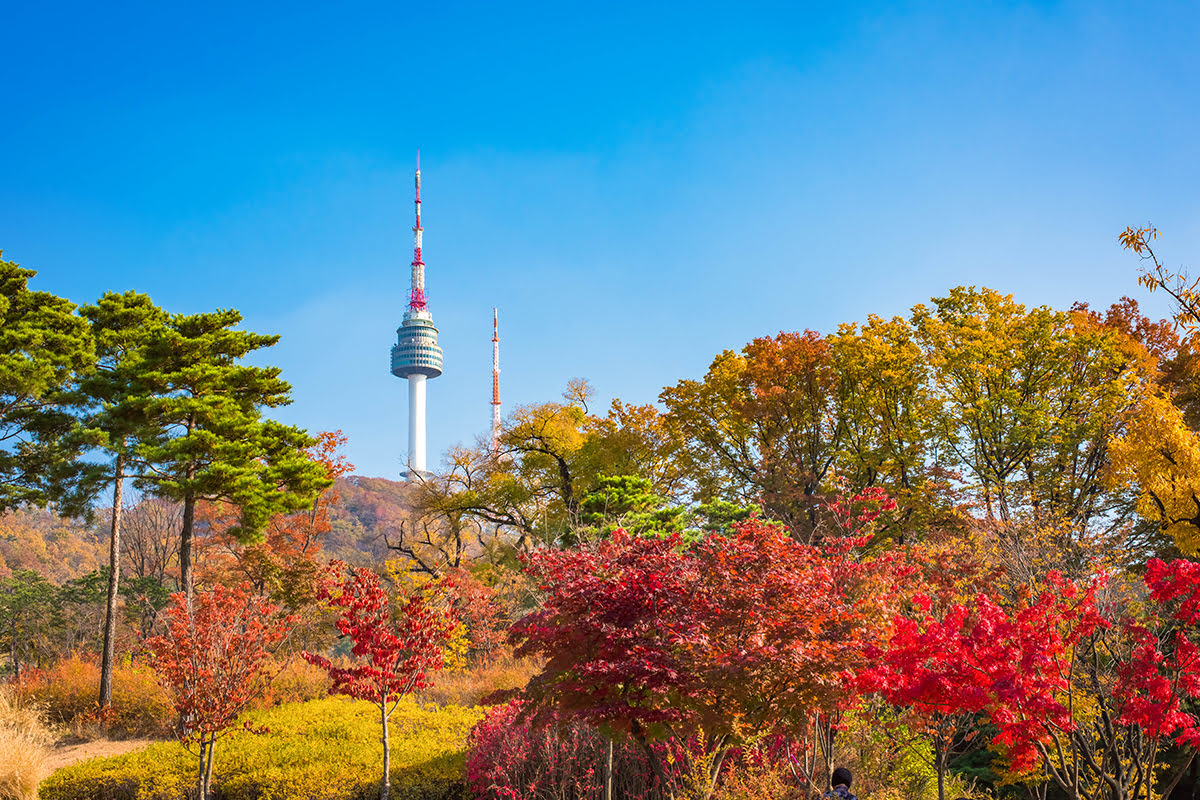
{"x":43,"y":344}
{"x":123,"y":325}
{"x":211,"y":440}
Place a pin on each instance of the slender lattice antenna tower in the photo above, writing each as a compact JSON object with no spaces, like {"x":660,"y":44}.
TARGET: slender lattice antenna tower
{"x":495,"y":381}
{"x":416,"y":355}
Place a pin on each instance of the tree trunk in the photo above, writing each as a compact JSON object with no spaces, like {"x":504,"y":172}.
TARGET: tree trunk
{"x":940,"y":757}
{"x":185,"y":546}
{"x":185,"y":535}
{"x":208,"y":765}
{"x":114,"y":577}
{"x":386,"y":788}
{"x":201,"y":789}
{"x":608,"y":772}
{"x":639,"y":736}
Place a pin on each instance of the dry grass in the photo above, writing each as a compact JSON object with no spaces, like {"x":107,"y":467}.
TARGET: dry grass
{"x":467,"y":687}
{"x":25,"y":742}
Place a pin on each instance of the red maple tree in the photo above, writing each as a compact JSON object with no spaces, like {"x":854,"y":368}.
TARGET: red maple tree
{"x":1160,"y":682}
{"x":212,"y":661}
{"x":728,"y":638}
{"x":394,"y":652}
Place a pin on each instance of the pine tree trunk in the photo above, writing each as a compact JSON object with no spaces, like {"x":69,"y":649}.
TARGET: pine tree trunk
{"x":114,"y":577}
{"x":386,"y":788}
{"x":185,"y":547}
{"x":185,"y":535}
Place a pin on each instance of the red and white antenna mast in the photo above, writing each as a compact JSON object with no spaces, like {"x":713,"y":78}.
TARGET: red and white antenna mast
{"x":495,"y":381}
{"x":416,"y":300}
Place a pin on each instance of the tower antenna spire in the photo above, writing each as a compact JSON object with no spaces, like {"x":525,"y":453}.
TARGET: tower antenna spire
{"x":416,"y":298}
{"x":495,"y":381}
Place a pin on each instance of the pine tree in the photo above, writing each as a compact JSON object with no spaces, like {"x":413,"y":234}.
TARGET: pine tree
{"x":123,"y":325}
{"x":43,"y":344}
{"x":211,"y":441}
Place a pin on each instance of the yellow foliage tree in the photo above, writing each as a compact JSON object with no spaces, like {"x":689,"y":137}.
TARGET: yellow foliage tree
{"x":1160,"y":454}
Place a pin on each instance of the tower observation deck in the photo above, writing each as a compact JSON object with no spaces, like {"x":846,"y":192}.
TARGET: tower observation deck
{"x":416,"y":355}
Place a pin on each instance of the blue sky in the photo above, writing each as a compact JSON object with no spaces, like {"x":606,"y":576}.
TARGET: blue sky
{"x":637,"y":186}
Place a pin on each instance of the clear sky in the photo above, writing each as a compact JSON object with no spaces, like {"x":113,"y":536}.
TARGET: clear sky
{"x":637,"y":186}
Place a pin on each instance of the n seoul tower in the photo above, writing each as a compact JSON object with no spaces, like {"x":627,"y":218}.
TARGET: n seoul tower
{"x":416,"y":355}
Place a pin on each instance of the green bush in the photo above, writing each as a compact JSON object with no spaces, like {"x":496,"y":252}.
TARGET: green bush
{"x":320,"y":750}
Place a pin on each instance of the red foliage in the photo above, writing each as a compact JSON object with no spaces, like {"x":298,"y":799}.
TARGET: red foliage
{"x":212,"y":660}
{"x":1013,"y":664}
{"x":395,"y":656}
{"x":730,"y":637}
{"x":1163,"y":671}
{"x":476,"y":608}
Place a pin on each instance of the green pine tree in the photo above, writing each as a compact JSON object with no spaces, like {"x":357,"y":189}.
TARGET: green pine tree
{"x":43,"y":345}
{"x":212,"y":442}
{"x":114,"y":396}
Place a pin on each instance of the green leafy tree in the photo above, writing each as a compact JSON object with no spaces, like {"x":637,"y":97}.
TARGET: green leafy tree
{"x":211,"y":440}
{"x":30,"y":613}
{"x":43,"y":345}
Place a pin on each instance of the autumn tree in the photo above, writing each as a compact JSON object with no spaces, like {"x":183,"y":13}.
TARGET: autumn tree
{"x":394,"y":650}
{"x":211,"y":658}
{"x":1027,"y":402}
{"x":213,"y":442}
{"x":43,"y":346}
{"x":1154,"y":276}
{"x":551,"y":456}
{"x":775,"y":423}
{"x":730,"y":637}
{"x":1160,"y":455}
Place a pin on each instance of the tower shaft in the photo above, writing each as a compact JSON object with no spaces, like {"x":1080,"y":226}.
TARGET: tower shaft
{"x":416,"y":423}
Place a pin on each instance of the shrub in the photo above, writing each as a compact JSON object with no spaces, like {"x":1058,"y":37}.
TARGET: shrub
{"x":24,"y":748}
{"x":320,"y":750}
{"x":510,"y":758}
{"x":296,"y":681}
{"x":70,"y":693}
{"x":468,"y":687}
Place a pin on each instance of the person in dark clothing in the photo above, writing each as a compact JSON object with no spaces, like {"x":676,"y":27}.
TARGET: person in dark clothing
{"x":840,"y":785}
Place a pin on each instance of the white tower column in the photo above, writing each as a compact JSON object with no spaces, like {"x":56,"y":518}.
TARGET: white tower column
{"x":416,"y":423}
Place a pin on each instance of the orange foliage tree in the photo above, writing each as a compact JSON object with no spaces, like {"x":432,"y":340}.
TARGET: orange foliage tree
{"x":211,"y":659}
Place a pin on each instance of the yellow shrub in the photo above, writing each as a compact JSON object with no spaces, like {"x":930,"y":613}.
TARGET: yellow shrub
{"x":24,"y":748}
{"x":320,"y":750}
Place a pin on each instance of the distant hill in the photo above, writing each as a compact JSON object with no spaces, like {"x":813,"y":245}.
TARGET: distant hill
{"x":57,"y":547}
{"x":62,"y":549}
{"x":369,"y":509}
